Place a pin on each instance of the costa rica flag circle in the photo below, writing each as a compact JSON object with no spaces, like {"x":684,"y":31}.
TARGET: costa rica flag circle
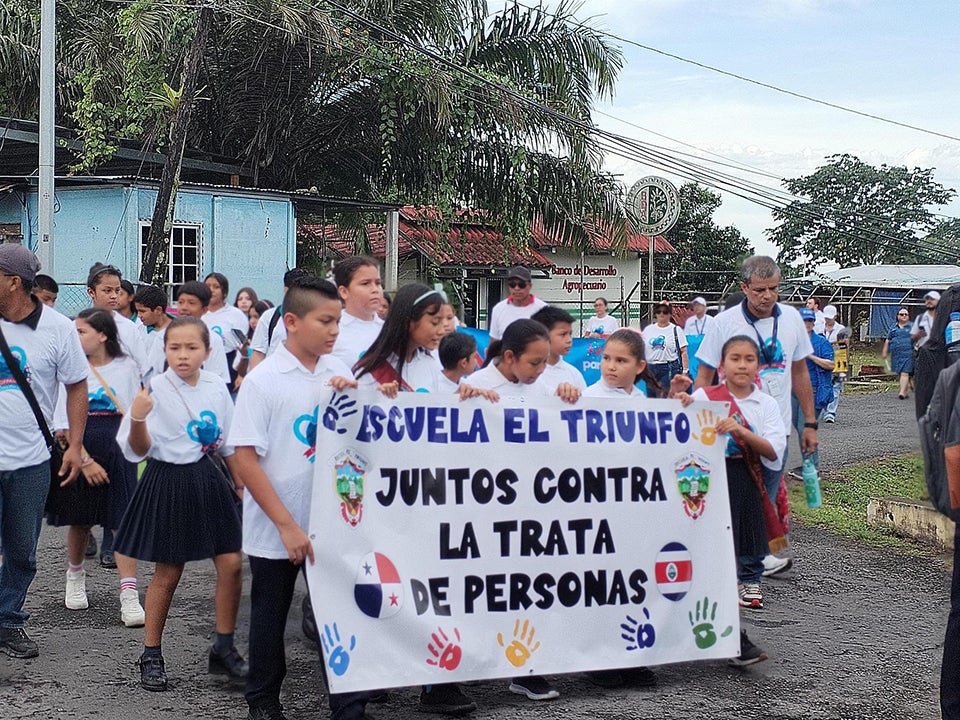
{"x":674,"y":571}
{"x":378,"y":591}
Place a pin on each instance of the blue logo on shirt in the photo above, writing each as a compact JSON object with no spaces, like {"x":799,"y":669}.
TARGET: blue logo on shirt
{"x":100,"y":402}
{"x":205,"y":431}
{"x":7,"y":381}
{"x":305,"y":430}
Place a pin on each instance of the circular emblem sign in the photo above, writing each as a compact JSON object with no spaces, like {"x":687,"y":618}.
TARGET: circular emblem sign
{"x":654,"y":205}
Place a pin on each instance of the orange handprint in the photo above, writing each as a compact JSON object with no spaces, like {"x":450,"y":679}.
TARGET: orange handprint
{"x":522,"y":647}
{"x":707,"y":422}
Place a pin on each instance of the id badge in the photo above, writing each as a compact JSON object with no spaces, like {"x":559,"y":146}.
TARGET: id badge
{"x":772,"y":383}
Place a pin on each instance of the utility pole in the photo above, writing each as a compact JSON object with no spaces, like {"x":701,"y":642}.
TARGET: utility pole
{"x":45,"y":189}
{"x":392,"y":250}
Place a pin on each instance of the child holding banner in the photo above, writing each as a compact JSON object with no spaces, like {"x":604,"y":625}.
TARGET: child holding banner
{"x":559,"y":323}
{"x":458,"y":357}
{"x":622,"y":366}
{"x":755,"y":438}
{"x":277,"y":467}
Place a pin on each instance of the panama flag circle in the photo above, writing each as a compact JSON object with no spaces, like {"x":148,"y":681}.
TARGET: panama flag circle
{"x":378,"y":590}
{"x":674,"y":571}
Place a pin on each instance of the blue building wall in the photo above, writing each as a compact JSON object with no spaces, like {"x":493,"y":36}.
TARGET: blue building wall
{"x":249,"y":237}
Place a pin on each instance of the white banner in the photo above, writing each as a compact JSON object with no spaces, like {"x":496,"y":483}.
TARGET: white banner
{"x":470,"y":540}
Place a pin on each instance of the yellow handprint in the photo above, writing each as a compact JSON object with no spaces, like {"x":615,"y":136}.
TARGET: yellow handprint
{"x":707,"y":422}
{"x":519,"y":651}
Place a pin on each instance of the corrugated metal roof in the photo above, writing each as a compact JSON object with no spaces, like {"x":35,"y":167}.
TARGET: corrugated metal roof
{"x":906,"y":277}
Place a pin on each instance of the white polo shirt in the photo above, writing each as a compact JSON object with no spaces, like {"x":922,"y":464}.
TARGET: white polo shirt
{"x":490,"y":378}
{"x":262,"y":333}
{"x":505,"y":312}
{"x":697,"y":326}
{"x":422,"y":374}
{"x":133,"y":341}
{"x":602,"y":389}
{"x":791,"y":345}
{"x":763,"y":414}
{"x":224,"y":321}
{"x":355,"y":338}
{"x":48,"y":348}
{"x":562,"y":372}
{"x":277,"y":415}
{"x":186,"y":420}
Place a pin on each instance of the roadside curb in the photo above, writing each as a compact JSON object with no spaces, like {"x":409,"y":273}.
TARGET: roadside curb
{"x":912,"y":519}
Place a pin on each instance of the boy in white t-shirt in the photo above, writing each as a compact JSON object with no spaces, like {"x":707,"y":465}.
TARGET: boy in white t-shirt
{"x":559,"y":323}
{"x":458,"y":356}
{"x":281,"y":393}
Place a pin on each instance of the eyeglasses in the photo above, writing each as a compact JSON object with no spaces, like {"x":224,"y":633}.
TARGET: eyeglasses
{"x":517,"y":284}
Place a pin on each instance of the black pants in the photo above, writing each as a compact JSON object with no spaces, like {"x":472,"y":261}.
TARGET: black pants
{"x":271,"y":593}
{"x":950,"y":671}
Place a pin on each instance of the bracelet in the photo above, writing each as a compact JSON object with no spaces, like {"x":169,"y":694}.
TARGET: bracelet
{"x":86,"y":461}
{"x":137,"y":420}
{"x":811,"y":426}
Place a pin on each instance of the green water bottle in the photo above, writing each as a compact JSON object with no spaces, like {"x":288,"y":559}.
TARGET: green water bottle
{"x":811,"y":482}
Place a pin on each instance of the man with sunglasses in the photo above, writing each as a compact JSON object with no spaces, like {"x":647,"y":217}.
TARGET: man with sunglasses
{"x":520,"y":304}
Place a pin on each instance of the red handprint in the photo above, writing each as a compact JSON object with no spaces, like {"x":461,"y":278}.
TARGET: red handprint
{"x":446,"y":653}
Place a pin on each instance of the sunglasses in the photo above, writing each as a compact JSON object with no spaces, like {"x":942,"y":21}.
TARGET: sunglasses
{"x":517,"y":284}
{"x":662,"y":312}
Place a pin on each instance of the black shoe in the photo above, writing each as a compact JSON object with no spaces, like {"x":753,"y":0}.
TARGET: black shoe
{"x":231,"y":663}
{"x":749,"y":653}
{"x":153,"y":676}
{"x":267,"y":711}
{"x":107,"y":560}
{"x":534,"y":687}
{"x":640,"y":677}
{"x":606,"y":678}
{"x":91,"y":550}
{"x":16,"y":643}
{"x":309,"y":622}
{"x":446,"y":699}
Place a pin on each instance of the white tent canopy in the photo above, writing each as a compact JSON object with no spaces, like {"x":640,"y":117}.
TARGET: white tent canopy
{"x":905,"y":277}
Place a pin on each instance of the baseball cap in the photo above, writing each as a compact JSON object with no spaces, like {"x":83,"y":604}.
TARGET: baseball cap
{"x":15,"y":259}
{"x":698,"y":301}
{"x":808,"y":314}
{"x":830,"y":312}
{"x":519,"y":272}
{"x":933,"y":295}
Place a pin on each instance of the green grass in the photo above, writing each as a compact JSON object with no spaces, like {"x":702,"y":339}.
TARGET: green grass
{"x":847,"y":492}
{"x":861,"y":355}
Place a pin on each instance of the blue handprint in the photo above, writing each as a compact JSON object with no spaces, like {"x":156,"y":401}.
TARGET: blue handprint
{"x":305,"y":430}
{"x":205,"y":431}
{"x":658,"y":342}
{"x":638,"y":634}
{"x":338,"y":659}
{"x":339,"y":407}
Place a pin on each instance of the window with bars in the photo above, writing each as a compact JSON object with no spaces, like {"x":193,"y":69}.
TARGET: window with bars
{"x":184,"y":254}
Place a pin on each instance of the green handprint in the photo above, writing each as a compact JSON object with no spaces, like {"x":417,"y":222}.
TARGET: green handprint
{"x":702,"y":624}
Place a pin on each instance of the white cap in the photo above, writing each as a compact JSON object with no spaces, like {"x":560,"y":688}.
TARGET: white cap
{"x":830,"y":312}
{"x":933,"y":295}
{"x":698,"y":301}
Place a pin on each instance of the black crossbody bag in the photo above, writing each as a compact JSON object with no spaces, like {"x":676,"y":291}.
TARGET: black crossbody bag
{"x":56,"y":450}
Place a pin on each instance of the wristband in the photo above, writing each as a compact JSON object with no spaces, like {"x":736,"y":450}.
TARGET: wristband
{"x":86,"y":461}
{"x":811,"y":426}
{"x":137,"y":420}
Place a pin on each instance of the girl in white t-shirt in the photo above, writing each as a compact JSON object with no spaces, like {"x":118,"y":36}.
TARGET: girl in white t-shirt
{"x":622,"y":366}
{"x":101,"y":496}
{"x":186,"y":507}
{"x":755,"y":437}
{"x":359,"y":287}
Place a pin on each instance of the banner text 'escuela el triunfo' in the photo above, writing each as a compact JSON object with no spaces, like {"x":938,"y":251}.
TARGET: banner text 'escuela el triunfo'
{"x":471,"y":540}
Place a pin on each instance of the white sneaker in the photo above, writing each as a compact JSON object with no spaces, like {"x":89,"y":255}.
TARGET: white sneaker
{"x":131,"y":612}
{"x":773,"y":565}
{"x":750,"y":596}
{"x":75,"y":596}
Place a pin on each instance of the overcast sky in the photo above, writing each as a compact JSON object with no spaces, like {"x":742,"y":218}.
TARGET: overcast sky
{"x":891,"y":58}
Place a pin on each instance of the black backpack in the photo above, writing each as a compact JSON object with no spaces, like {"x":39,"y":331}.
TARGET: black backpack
{"x":940,"y":441}
{"x":932,"y":356}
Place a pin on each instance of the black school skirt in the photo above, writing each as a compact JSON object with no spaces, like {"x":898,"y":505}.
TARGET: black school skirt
{"x":105,"y":505}
{"x":180,"y":513}
{"x":746,"y":511}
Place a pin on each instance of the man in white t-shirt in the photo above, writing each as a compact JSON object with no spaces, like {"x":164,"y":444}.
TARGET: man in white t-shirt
{"x":520,"y":304}
{"x":695,"y":328}
{"x":46,"y":348}
{"x":813,"y":303}
{"x":838,"y":336}
{"x":602,"y":324}
{"x":923,"y":325}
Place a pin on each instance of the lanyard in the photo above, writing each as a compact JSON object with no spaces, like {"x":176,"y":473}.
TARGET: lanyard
{"x":697,"y":327}
{"x":752,"y":322}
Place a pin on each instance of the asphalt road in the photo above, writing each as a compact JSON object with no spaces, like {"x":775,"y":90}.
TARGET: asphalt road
{"x":852,"y":632}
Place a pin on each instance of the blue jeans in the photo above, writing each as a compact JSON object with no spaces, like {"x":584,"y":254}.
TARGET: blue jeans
{"x":830,"y":411}
{"x":950,"y":670}
{"x":23,"y":493}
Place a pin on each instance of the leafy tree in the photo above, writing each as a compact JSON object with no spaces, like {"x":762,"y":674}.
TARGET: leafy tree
{"x":853,"y":213}
{"x":708,"y":256}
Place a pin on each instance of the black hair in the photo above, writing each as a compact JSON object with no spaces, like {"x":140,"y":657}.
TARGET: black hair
{"x":292,"y":275}
{"x":221,"y":281}
{"x":45,"y":282}
{"x":455,"y":347}
{"x":733,"y":299}
{"x":102,"y":321}
{"x":603,"y":300}
{"x":127,"y":287}
{"x":302,"y":297}
{"x":549,"y":316}
{"x":516,"y":337}
{"x":410,"y":304}
{"x":184,"y":322}
{"x":197,"y":289}
{"x":637,"y":347}
{"x":251,"y":293}
{"x":739,"y":339}
{"x":98,"y":270}
{"x":150,"y":296}
{"x":261,"y":306}
{"x":345,"y":269}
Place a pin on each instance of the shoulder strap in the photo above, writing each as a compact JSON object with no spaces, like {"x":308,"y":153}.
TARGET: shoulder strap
{"x":106,"y":388}
{"x":27,"y":391}
{"x":676,"y":339}
{"x":386,"y":373}
{"x":274,"y":319}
